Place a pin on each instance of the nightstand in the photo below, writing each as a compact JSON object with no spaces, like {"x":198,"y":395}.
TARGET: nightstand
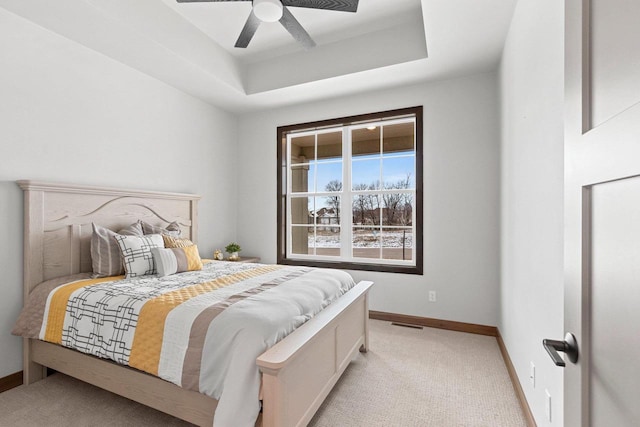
{"x":246,"y":259}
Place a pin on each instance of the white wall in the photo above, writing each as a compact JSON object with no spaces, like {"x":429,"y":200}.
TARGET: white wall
{"x":461,"y":192}
{"x":69,"y":114}
{"x":531,"y":82}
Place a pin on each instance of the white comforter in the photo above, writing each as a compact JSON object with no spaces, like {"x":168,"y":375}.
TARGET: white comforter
{"x":249,"y":328}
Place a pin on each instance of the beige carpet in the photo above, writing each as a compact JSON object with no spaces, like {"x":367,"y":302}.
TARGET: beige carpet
{"x":410,"y":377}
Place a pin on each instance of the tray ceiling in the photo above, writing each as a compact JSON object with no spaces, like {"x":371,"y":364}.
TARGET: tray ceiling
{"x":190,"y":45}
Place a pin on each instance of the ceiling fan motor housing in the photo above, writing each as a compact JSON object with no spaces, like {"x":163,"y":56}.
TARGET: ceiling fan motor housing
{"x":267,"y":10}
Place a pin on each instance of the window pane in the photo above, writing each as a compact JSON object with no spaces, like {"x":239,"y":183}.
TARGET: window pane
{"x":397,"y":243}
{"x":398,"y":172}
{"x":329,"y":146}
{"x":302,"y":177}
{"x":365,"y":142}
{"x":366,"y":242}
{"x":301,"y":208}
{"x":327,"y":241}
{"x":366,"y":209}
{"x":398,"y":139}
{"x":302,"y":240}
{"x":303,"y":149}
{"x":329,"y":177}
{"x":327,"y":212}
{"x":397,"y":209}
{"x":365,"y":174}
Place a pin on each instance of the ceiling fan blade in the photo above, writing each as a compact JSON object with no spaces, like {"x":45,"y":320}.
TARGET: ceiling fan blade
{"x":205,"y":1}
{"x":339,"y":5}
{"x":249,"y":29}
{"x":292,"y":25}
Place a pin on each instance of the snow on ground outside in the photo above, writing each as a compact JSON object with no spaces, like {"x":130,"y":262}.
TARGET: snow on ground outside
{"x":389,"y":240}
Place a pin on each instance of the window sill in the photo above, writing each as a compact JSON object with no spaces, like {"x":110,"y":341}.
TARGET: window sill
{"x":344,"y":265}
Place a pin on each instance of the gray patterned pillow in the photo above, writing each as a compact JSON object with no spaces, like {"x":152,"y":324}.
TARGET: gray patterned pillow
{"x":134,"y":229}
{"x":136,"y":253}
{"x":173,"y":229}
{"x":105,"y":253}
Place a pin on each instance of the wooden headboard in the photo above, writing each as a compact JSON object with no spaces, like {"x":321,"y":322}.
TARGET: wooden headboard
{"x":58,"y":217}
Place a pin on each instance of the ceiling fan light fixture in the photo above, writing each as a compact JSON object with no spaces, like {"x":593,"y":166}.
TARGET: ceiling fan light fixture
{"x":267,"y":10}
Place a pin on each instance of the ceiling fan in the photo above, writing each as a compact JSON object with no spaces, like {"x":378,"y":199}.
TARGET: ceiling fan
{"x":277,"y":10}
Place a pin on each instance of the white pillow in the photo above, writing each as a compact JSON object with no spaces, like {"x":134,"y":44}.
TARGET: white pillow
{"x":136,"y":253}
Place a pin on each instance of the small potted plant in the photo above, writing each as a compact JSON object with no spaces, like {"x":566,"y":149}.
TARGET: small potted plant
{"x":233,"y":249}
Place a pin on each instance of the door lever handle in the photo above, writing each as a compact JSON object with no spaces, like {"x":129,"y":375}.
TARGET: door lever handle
{"x":569,"y":347}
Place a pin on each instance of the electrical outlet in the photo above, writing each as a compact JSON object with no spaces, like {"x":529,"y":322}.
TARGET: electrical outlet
{"x":547,"y":406}
{"x":532,"y":375}
{"x":432,"y":296}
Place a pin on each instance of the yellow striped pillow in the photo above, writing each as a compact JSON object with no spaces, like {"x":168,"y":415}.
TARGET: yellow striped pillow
{"x":176,"y":242}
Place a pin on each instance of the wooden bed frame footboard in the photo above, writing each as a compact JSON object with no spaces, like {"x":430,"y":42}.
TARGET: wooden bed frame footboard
{"x":297,"y":373}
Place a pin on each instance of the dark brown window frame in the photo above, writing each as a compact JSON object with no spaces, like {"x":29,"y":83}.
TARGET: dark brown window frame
{"x":282,"y":131}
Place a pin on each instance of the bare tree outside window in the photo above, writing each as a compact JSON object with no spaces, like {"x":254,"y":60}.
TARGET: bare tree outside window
{"x":334,"y":201}
{"x":395,"y":204}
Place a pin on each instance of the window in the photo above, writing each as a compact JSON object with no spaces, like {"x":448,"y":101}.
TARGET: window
{"x":350,"y":192}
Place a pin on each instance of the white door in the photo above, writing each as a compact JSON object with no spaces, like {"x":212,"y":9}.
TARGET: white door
{"x":602,"y":211}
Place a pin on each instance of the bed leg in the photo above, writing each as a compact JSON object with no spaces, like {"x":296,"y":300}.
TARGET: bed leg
{"x":365,"y":346}
{"x":32,"y":371}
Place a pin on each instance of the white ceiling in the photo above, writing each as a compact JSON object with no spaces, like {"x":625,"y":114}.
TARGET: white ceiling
{"x":385,"y":43}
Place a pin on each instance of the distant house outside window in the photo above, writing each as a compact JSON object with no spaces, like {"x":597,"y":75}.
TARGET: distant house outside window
{"x":350,"y":192}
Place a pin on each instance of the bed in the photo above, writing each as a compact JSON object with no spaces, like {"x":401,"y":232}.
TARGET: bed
{"x":297,"y":373}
